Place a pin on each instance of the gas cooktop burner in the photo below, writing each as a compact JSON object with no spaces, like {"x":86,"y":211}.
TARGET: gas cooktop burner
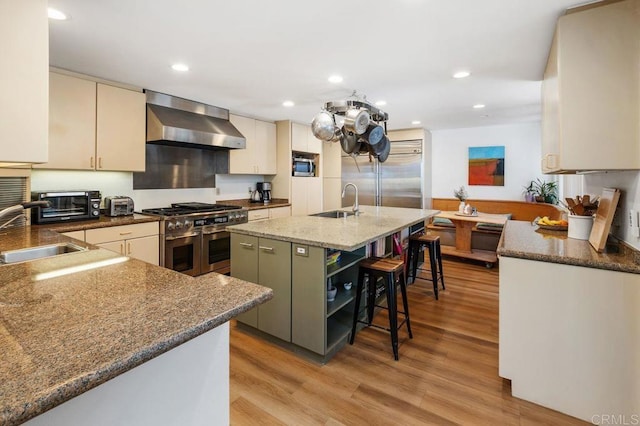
{"x":178,"y":209}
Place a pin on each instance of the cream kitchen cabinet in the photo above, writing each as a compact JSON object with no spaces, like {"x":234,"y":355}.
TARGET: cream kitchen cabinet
{"x":94,"y":126}
{"x":269,"y":213}
{"x":331,"y":193}
{"x":591,"y":91}
{"x":78,"y":235}
{"x":306,"y":195}
{"x":303,"y":140}
{"x":140,"y":241}
{"x":331,"y":175}
{"x":24,"y":30}
{"x":259,"y":156}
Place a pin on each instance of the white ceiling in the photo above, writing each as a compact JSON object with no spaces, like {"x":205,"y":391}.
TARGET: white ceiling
{"x":251,"y":55}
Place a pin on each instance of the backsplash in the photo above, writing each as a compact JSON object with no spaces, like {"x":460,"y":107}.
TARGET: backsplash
{"x":229,"y":187}
{"x":629,"y":184}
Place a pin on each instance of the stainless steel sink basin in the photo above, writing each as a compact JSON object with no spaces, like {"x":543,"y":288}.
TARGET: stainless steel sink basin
{"x":337,"y":214}
{"x":23,"y":255}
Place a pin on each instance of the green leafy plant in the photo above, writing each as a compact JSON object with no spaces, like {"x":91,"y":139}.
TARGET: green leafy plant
{"x":544,"y":192}
{"x":461,"y":194}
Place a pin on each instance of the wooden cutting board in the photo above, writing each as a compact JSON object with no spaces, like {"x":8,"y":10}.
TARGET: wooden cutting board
{"x":604,"y":217}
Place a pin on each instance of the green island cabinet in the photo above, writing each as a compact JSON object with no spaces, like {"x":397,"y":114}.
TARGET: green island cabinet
{"x":299,"y":312}
{"x":266,"y":262}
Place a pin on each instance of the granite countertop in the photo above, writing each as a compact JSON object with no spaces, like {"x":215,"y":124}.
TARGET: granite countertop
{"x":275,"y":202}
{"x":347,"y":233}
{"x":71,"y":322}
{"x":526,"y":241}
{"x":102,"y":222}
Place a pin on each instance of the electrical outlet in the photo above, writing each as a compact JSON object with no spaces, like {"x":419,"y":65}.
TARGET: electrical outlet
{"x":633,"y":223}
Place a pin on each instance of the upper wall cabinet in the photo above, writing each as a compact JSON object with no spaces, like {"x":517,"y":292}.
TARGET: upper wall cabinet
{"x":259,"y":157}
{"x":303,"y":140}
{"x":24,"y":31}
{"x":591,"y":91}
{"x":94,"y":126}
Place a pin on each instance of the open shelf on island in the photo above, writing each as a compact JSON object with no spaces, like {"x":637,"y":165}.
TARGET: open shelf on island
{"x":338,"y":329}
{"x":347,"y":260}
{"x":343,"y":298}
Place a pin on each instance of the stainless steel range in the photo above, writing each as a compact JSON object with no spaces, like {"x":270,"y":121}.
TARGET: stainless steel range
{"x":193,"y":239}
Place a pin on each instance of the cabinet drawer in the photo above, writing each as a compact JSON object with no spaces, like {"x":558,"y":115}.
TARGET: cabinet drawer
{"x":115,"y":233}
{"x":258,"y":214}
{"x":279,"y":212}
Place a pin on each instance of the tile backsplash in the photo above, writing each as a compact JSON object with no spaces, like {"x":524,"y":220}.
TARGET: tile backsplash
{"x":229,"y":187}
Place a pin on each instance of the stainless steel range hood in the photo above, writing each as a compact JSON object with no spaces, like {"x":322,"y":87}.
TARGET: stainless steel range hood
{"x":180,"y":122}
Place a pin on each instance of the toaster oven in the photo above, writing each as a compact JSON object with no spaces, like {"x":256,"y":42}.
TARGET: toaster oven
{"x":66,"y":206}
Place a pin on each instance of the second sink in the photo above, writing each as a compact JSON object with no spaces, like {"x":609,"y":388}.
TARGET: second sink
{"x":23,"y":255}
{"x":334,"y":214}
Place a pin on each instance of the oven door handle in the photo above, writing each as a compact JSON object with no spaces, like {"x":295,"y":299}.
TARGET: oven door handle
{"x":213,"y":232}
{"x":195,"y":234}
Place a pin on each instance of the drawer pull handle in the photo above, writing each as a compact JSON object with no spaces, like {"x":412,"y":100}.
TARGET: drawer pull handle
{"x":266,"y":248}
{"x":246,"y":245}
{"x":99,"y":162}
{"x":126,"y":233}
{"x":129,"y":249}
{"x":92,"y":166}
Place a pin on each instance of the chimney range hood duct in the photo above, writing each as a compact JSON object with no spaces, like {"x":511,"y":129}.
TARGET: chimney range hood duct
{"x":180,"y":122}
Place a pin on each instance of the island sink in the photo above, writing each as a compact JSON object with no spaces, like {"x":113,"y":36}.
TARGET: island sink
{"x":337,"y":214}
{"x":23,"y":255}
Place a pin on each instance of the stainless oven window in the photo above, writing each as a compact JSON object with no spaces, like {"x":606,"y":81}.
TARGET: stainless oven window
{"x":182,"y":254}
{"x":216,"y":252}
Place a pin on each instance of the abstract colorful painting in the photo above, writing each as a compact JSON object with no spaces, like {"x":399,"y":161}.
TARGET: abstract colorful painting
{"x":486,"y":165}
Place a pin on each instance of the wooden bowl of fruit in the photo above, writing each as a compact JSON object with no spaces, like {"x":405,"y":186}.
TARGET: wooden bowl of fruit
{"x":552,"y":225}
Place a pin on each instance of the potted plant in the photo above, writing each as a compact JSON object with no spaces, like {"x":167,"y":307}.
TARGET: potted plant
{"x":544,"y":192}
{"x":461,"y":194}
{"x":529,"y":193}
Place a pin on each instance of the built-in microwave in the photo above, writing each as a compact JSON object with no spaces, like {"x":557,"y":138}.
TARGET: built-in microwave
{"x":303,"y":167}
{"x":65,"y":206}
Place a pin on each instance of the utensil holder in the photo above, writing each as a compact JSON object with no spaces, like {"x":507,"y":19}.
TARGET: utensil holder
{"x":579,"y":227}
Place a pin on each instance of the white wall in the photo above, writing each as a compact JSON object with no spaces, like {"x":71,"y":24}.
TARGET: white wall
{"x":522,"y":159}
{"x":229,"y":187}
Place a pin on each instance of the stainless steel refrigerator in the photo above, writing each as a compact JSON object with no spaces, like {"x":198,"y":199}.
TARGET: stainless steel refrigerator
{"x":395,"y":183}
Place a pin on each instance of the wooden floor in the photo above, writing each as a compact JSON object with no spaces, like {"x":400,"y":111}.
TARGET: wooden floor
{"x":447,"y":374}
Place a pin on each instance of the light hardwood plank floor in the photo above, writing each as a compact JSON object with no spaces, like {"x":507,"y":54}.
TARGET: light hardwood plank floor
{"x":447,"y":374}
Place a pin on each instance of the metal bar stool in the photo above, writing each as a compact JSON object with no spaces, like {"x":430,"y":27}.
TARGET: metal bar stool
{"x":432,"y":242}
{"x":390,"y":270}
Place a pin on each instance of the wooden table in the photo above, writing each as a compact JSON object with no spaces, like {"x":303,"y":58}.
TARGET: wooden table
{"x":464,"y":225}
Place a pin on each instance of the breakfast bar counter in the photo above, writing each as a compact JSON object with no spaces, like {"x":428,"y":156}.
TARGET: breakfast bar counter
{"x":72,"y":322}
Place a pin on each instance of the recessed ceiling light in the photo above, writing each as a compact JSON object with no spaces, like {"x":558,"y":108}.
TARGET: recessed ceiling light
{"x":56,"y":14}
{"x":414,"y":122}
{"x":180,"y":67}
{"x":461,"y":74}
{"x":288,"y":104}
{"x":335,"y":79}
{"x":381,"y":103}
{"x":479,"y":106}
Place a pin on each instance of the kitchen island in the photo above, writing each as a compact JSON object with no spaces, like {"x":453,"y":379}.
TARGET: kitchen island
{"x":100,"y":338}
{"x":569,"y":335}
{"x":290,"y":254}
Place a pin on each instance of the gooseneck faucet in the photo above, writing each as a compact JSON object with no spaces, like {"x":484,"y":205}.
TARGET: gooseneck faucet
{"x":356,"y":205}
{"x":18,"y":210}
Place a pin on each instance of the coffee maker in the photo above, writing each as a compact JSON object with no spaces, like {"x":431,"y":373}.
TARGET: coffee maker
{"x":264,"y":189}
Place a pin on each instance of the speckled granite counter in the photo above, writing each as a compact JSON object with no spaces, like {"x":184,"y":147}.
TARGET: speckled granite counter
{"x":276,"y":202}
{"x":103,"y":222}
{"x":526,"y":241}
{"x":347,"y":233}
{"x":71,"y":322}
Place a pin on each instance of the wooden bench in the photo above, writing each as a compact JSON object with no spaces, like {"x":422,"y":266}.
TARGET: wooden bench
{"x":486,"y":237}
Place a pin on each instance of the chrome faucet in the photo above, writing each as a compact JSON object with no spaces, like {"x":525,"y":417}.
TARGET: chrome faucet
{"x":356,"y":205}
{"x":18,"y":211}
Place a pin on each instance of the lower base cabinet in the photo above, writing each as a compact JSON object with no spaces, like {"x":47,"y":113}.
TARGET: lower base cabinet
{"x":140,"y":241}
{"x":266,"y":262}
